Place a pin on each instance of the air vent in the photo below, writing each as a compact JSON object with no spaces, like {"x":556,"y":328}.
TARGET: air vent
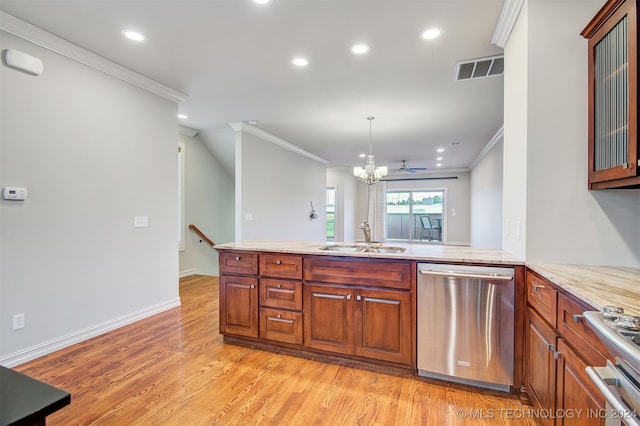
{"x":479,"y":68}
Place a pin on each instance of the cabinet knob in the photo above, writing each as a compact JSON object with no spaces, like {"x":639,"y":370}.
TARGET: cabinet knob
{"x":252,"y":286}
{"x":237,"y":257}
{"x":551,"y":347}
{"x":279,"y":316}
{"x":279,"y":285}
{"x":358,"y":297}
{"x":278,"y":262}
{"x":348,"y":297}
{"x":577,"y":318}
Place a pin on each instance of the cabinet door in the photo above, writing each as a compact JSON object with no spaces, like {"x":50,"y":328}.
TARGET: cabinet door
{"x":613,"y":102}
{"x":383,"y":325}
{"x":328,"y":318}
{"x":575,"y":393}
{"x":239,"y":305}
{"x":541,"y":364}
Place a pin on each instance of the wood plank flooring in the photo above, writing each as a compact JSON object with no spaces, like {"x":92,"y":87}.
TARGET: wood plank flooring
{"x":174,"y":369}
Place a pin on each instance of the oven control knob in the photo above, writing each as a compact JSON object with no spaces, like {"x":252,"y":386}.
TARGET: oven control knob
{"x":612,"y":312}
{"x":629,"y":322}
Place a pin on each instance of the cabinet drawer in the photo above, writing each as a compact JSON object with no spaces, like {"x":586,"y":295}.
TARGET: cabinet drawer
{"x":281,"y":326}
{"x":281,"y":266}
{"x":573,"y":327}
{"x":281,"y":294}
{"x":542,"y":296}
{"x":374,"y":272}
{"x":234,"y":262}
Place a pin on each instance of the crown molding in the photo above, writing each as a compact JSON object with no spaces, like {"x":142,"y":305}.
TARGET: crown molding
{"x":506,"y":22}
{"x":42,"y":38}
{"x":244,"y":127}
{"x":187,"y":131}
{"x":494,"y":140}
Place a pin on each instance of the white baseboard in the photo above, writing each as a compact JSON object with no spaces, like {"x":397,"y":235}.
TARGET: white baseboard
{"x":188,"y":272}
{"x":458,"y":243}
{"x":62,"y":342}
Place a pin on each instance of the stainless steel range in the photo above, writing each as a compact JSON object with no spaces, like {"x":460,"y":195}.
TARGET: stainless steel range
{"x":619,"y":381}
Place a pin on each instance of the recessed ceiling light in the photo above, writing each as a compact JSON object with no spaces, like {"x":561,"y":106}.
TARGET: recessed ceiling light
{"x":439,"y":165}
{"x":252,"y":122}
{"x":133,"y":35}
{"x":359,"y":49}
{"x":261,"y":1}
{"x":362,"y":155}
{"x":182,"y":116}
{"x":430,"y":34}
{"x":300,"y":62}
{"x":440,"y":150}
{"x":439,"y":159}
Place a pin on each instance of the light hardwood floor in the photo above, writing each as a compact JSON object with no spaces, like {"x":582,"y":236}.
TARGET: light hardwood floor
{"x":174,"y":369}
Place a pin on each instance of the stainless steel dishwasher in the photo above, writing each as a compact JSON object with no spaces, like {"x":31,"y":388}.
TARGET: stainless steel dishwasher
{"x":465,"y":324}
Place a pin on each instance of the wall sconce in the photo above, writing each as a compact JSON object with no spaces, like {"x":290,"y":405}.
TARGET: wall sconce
{"x":313,"y":214}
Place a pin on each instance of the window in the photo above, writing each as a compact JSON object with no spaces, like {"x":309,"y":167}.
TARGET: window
{"x":331,"y":213}
{"x":181,"y":216}
{"x":415,"y":215}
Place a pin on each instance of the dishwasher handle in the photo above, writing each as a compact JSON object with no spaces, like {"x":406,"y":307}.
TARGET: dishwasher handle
{"x":459,"y":274}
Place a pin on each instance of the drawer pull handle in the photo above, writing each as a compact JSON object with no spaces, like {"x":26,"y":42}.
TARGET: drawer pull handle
{"x":279,"y":285}
{"x":252,"y":286}
{"x":237,"y":257}
{"x":279,"y":316}
{"x":578,"y":318}
{"x":278,"y":262}
{"x":288,"y":321}
{"x":348,"y":297}
{"x":538,"y":287}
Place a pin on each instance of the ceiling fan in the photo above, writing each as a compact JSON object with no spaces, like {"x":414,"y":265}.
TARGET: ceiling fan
{"x":405,"y":168}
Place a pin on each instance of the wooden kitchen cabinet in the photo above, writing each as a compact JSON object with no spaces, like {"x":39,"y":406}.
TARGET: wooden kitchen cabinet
{"x":361,"y":307}
{"x":239,"y":305}
{"x":329,"y":318}
{"x":613,"y":160}
{"x":540,"y":362}
{"x":559,"y":346}
{"x":575,"y":390}
{"x":370,"y":323}
{"x":238,"y":293}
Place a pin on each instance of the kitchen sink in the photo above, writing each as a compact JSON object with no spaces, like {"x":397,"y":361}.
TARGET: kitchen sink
{"x":362,"y":248}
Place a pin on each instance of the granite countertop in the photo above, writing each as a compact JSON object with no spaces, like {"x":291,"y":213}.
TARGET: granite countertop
{"x":423,"y":252}
{"x":595,"y":285}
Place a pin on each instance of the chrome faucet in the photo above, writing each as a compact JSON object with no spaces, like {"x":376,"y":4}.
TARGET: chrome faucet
{"x":366,"y":229}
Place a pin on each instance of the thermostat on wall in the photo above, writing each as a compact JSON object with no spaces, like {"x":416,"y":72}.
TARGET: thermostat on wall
{"x":14,"y":193}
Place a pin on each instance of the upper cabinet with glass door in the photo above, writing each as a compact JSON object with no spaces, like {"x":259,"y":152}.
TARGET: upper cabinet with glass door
{"x":613,"y":101}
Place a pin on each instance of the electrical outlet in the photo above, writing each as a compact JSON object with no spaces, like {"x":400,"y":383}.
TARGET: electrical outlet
{"x":18,"y":321}
{"x":140,"y":221}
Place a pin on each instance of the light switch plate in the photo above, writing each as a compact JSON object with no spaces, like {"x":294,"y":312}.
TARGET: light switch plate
{"x":141,"y":221}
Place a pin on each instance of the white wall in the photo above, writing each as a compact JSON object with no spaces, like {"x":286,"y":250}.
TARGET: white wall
{"x":516,"y":90}
{"x":277,"y":186}
{"x":209,"y":205}
{"x":486,"y":199}
{"x":93,"y":152}
{"x":346,"y":203}
{"x":457,"y":203}
{"x":565,"y":222}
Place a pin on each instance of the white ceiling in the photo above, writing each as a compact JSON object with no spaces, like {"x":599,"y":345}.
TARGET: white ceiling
{"x":232,"y":59}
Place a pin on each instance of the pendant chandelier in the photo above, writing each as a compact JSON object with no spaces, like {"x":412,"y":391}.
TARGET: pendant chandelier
{"x":370,"y":174}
